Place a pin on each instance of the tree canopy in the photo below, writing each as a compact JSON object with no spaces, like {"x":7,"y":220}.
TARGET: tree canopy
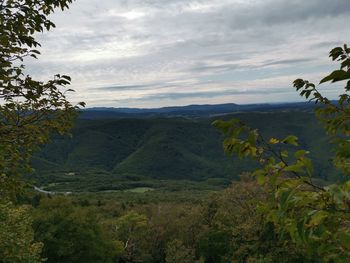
{"x":30,"y":110}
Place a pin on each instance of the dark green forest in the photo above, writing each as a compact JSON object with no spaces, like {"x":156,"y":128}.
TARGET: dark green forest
{"x":128,"y":153}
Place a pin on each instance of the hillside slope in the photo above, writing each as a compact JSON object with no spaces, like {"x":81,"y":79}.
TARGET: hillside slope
{"x":167,"y":149}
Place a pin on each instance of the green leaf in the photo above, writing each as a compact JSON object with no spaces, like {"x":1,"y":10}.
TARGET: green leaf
{"x":308,"y":165}
{"x":284,"y":154}
{"x":345,"y":240}
{"x":292,"y":140}
{"x":261,"y":179}
{"x":300,"y":153}
{"x":337,"y":75}
{"x":317,"y":218}
{"x":296,"y":168}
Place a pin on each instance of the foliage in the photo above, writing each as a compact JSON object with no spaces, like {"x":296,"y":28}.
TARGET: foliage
{"x":334,"y":116}
{"x":177,"y":252}
{"x":132,"y":230}
{"x":30,"y":110}
{"x":71,"y":234}
{"x":315,"y":218}
{"x":225,"y":226}
{"x":16,"y":235}
{"x":236,"y":230}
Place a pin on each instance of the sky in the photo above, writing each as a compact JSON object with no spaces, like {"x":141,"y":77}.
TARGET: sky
{"x":155,"y":53}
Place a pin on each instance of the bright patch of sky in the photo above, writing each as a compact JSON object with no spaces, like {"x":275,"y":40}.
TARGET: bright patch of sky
{"x":153,"y":53}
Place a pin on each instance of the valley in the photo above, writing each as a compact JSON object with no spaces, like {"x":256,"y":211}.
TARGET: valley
{"x":167,"y":153}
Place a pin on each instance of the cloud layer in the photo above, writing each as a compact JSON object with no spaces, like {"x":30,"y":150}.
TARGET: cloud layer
{"x":150,"y":53}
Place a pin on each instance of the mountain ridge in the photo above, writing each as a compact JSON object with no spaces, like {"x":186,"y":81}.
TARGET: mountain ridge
{"x":193,"y":110}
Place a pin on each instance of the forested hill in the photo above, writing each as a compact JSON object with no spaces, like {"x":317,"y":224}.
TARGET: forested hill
{"x":104,"y":152}
{"x":188,"y":111}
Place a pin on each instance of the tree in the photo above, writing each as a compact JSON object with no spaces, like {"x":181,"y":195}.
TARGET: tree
{"x":177,"y":252}
{"x":132,"y":230}
{"x":71,"y":233}
{"x":315,"y":218}
{"x":16,"y":235}
{"x":236,"y":231}
{"x":30,"y":111}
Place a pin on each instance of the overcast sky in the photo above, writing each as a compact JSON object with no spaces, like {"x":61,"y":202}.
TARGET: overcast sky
{"x":152,"y":53}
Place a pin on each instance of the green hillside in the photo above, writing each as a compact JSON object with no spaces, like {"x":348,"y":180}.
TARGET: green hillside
{"x":127,"y":153}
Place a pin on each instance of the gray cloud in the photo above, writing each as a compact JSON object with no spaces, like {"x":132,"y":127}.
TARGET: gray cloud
{"x":176,"y":51}
{"x":121,"y":87}
{"x":211,"y":94}
{"x":281,"y":12}
{"x":288,"y":61}
{"x":211,"y":68}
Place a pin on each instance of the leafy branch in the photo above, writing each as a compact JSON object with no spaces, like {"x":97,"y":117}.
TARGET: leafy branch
{"x":316,"y":218}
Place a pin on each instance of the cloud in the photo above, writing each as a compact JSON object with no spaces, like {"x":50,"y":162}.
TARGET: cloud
{"x":139,"y":52}
{"x":209,"y":94}
{"x":288,"y":61}
{"x":121,"y":87}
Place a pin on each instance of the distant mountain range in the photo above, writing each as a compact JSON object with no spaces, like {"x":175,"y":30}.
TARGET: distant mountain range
{"x":188,"y":111}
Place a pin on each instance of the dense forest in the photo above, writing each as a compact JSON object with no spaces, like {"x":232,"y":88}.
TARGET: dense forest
{"x":124,"y":153}
{"x":176,"y":227}
{"x":243,"y":187}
